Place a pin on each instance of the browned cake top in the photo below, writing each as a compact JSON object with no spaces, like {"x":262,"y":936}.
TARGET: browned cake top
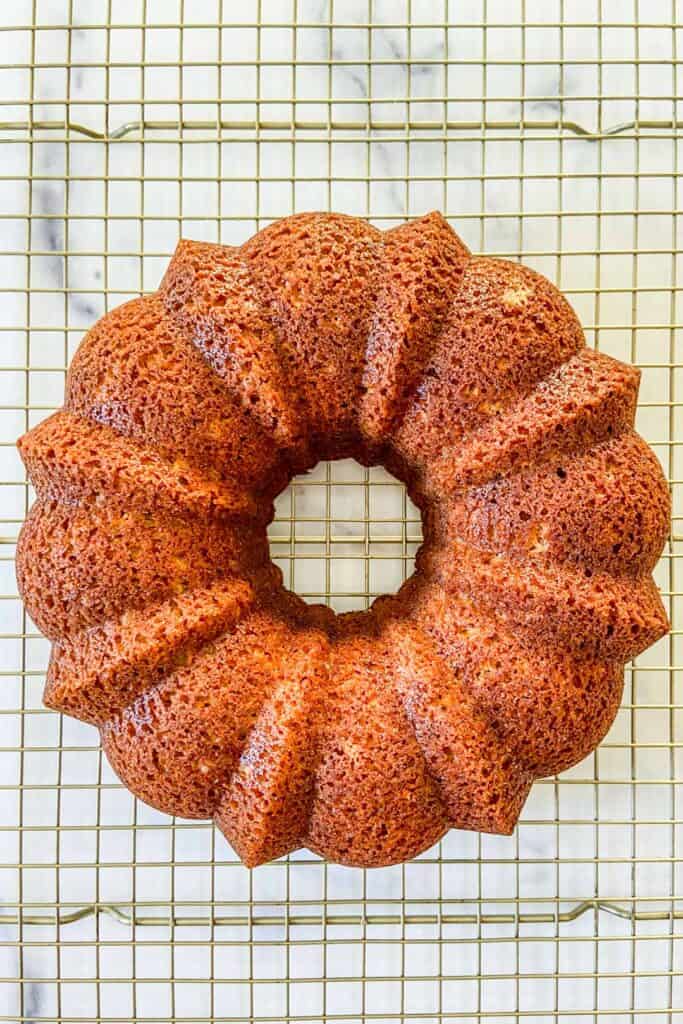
{"x":219,"y":693}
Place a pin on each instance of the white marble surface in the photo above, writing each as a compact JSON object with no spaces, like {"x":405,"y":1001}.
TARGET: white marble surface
{"x":127,"y":203}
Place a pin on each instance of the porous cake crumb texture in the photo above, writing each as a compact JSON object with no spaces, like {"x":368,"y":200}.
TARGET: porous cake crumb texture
{"x":217,"y":692}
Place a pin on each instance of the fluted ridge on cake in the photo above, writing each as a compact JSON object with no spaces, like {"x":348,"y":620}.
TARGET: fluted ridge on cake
{"x":507,"y":329}
{"x":550,"y":707}
{"x":563,"y":549}
{"x":265,"y":807}
{"x":596,"y":615}
{"x":318,"y":277}
{"x":208,"y":290}
{"x":82,"y":565}
{"x":69,"y":458}
{"x":482,"y":785}
{"x":375,"y":802}
{"x":588,"y":399}
{"x":177,"y":745}
{"x":606,"y":508}
{"x":100,"y":671}
{"x":136,"y":372}
{"x":423,"y":265}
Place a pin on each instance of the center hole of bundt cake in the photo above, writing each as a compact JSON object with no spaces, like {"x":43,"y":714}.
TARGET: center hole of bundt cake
{"x":343,"y":534}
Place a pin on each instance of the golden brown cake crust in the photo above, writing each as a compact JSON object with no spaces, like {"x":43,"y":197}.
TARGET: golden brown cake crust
{"x":220,"y":694}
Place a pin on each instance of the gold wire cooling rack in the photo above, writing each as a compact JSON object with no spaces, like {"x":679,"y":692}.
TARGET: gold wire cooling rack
{"x":546,"y":131}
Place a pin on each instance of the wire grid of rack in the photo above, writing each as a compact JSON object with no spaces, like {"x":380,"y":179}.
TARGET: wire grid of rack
{"x":546,"y":131}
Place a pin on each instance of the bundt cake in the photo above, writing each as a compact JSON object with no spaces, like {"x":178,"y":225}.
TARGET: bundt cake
{"x":217,"y":692}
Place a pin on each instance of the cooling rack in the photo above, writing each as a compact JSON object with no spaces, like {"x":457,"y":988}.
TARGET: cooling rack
{"x":545,"y":131}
